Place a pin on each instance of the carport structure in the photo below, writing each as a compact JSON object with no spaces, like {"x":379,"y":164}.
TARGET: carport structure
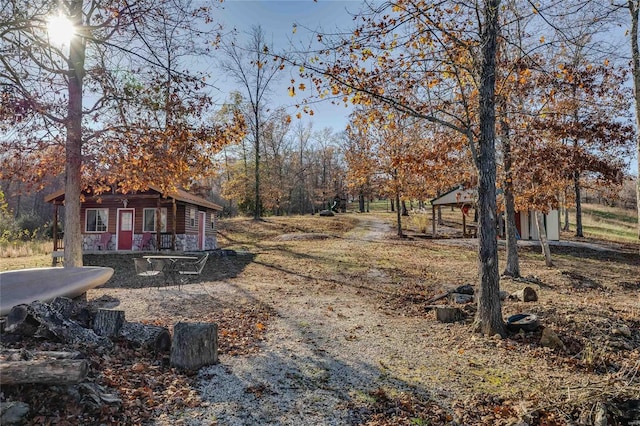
{"x":464,"y":199}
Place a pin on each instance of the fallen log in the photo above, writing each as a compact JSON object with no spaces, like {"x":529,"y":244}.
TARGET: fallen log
{"x":26,"y":355}
{"x":43,"y":371}
{"x":42,"y":320}
{"x":148,"y":336}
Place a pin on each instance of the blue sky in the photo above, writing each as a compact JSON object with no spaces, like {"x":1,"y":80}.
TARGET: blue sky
{"x":277,"y":18}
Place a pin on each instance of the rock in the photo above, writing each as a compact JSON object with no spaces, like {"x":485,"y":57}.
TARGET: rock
{"x":621,"y":330}
{"x":12,"y":412}
{"x":464,"y":289}
{"x":550,"y":339}
{"x":504,"y":295}
{"x":630,"y":411}
{"x":460,"y":298}
{"x":527,"y":294}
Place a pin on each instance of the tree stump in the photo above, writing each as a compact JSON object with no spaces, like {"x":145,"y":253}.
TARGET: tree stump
{"x":194,"y":345}
{"x":148,"y":336}
{"x":449,"y":314}
{"x":108,"y":322}
{"x":527,"y":294}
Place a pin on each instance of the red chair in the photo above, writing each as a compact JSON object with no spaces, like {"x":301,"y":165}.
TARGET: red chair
{"x":105,"y":240}
{"x":147,"y":241}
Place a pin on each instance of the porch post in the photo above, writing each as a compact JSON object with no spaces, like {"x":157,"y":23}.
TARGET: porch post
{"x":55,"y":226}
{"x":158,"y":223}
{"x":464,"y":223}
{"x":433,"y":221}
{"x":174,"y":211}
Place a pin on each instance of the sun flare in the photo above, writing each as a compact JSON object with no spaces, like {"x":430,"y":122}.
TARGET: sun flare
{"x":60,"y":30}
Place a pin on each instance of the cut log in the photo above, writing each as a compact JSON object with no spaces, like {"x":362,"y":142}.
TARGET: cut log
{"x":20,"y":322}
{"x":527,"y":294}
{"x":194,"y":345}
{"x":51,"y":323}
{"x":449,"y":314}
{"x":148,"y":336}
{"x":45,"y":371}
{"x":108,"y":322}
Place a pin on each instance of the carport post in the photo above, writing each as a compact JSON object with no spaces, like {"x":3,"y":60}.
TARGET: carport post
{"x":433,"y":221}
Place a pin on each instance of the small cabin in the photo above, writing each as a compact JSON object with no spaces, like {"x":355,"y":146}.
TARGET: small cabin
{"x":145,"y":220}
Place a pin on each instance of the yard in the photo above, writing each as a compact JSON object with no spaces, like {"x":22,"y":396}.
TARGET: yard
{"x":325,"y":320}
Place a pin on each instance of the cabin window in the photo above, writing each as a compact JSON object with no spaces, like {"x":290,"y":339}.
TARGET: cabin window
{"x":97,"y":220}
{"x":150,"y":219}
{"x":192,"y":216}
{"x":213,"y":221}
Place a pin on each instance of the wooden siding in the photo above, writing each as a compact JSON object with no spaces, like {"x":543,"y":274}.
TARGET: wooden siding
{"x":183,"y":225}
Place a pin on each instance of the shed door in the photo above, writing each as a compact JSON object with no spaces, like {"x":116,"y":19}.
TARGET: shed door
{"x":125,"y":229}
{"x":201,"y":219}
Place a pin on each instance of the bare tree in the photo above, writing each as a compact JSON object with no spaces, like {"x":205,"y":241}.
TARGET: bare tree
{"x":252,"y":66}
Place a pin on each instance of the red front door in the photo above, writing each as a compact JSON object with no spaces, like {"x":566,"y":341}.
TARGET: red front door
{"x":125,"y":229}
{"x":201,"y":218}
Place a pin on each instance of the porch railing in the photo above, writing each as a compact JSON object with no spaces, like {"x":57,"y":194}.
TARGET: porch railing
{"x":58,"y":241}
{"x":166,"y":241}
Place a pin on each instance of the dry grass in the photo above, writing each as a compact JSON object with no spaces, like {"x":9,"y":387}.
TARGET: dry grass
{"x":608,"y":223}
{"x":25,"y":254}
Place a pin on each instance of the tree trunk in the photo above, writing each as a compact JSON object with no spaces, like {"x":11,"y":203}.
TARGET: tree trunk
{"x":405,"y":212}
{"x":361,"y":203}
{"x":634,"y":6}
{"x":542,"y":234}
{"x":566,"y":213}
{"x":73,"y":145}
{"x":489,"y":316}
{"x":576,"y":188}
{"x":398,"y":216}
{"x":512,"y":267}
{"x":257,"y":212}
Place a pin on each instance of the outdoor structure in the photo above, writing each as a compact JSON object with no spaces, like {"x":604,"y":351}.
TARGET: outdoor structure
{"x":466,"y":199}
{"x":145,"y":220}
